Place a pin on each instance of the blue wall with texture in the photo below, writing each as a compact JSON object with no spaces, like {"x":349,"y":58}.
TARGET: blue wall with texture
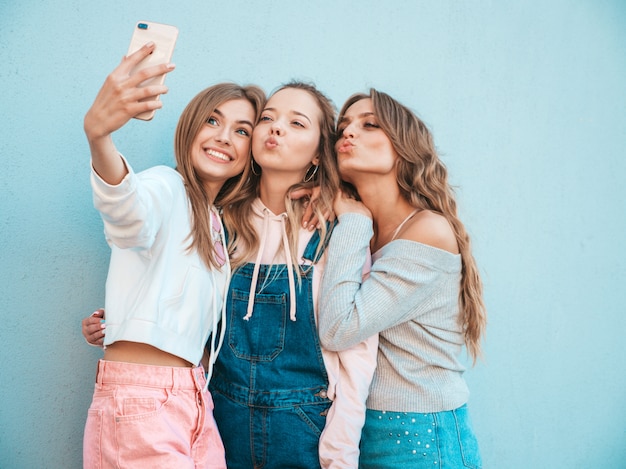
{"x":527,"y":102}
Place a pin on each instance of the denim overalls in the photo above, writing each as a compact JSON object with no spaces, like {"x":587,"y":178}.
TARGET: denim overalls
{"x":269,"y":383}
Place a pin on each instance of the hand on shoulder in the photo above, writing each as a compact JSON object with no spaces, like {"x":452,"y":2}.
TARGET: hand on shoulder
{"x":346,"y":204}
{"x":432,"y":229}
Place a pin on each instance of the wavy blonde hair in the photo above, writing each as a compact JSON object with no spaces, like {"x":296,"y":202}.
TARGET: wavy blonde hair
{"x":423,"y":181}
{"x":238,"y":204}
{"x":191,"y":121}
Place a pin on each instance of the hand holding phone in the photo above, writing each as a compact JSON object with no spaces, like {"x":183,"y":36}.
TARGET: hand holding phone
{"x":124,"y":96}
{"x":164,"y":37}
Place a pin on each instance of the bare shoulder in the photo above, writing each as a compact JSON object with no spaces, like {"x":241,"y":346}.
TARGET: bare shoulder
{"x":432,"y":229}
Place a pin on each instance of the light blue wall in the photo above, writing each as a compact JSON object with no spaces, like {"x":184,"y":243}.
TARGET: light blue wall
{"x":527,"y":101}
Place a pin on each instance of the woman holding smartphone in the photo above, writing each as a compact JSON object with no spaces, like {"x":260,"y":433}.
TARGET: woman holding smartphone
{"x":272,"y":381}
{"x":423,"y":295}
{"x":168,"y":274}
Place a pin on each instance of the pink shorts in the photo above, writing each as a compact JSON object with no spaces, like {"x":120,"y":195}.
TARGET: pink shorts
{"x":151,"y":416}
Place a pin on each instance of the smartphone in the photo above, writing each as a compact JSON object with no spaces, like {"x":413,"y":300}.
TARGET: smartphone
{"x":164,"y":37}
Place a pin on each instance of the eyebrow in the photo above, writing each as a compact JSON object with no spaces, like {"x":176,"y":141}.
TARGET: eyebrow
{"x":293,"y":112}
{"x":242,"y":121}
{"x":360,"y":116}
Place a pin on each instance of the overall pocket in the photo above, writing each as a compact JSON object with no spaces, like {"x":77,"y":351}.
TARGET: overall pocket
{"x":262,"y":337}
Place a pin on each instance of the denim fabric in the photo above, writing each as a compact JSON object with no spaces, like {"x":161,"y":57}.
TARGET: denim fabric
{"x":269,"y":382}
{"x":151,"y":416}
{"x":443,"y":440}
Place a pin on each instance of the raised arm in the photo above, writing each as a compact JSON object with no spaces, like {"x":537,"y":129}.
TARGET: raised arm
{"x":404,"y":283}
{"x":119,"y":99}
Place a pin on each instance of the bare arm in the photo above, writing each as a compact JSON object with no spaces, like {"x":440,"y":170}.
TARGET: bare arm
{"x":119,"y":99}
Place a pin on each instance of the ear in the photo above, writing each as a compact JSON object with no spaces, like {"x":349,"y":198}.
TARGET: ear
{"x":316,"y":161}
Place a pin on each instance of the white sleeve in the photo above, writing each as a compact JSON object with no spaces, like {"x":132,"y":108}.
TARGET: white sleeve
{"x":134,"y":209}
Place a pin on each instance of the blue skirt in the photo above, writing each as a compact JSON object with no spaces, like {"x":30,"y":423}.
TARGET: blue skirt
{"x":393,"y":440}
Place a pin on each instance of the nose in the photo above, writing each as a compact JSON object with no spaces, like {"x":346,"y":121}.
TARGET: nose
{"x":223,"y":136}
{"x":348,"y":131}
{"x":276,"y":129}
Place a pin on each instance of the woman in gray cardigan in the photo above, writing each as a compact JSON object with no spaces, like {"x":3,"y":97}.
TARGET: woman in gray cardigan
{"x":423,"y":295}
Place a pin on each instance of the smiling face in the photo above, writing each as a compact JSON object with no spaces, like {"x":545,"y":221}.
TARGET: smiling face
{"x":220,"y":150}
{"x":362,"y":146}
{"x":287,"y":137}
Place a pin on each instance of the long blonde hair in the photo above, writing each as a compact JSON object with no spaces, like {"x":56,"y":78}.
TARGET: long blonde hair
{"x":238,"y":204}
{"x":423,"y":181}
{"x":191,"y":121}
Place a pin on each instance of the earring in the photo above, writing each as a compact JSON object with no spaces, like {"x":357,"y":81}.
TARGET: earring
{"x":309,"y":177}
{"x":252,"y":166}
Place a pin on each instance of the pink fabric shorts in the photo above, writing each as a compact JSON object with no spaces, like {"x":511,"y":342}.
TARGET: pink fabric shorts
{"x":151,"y":416}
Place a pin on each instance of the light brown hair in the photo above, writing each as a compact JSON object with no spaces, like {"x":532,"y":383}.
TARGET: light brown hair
{"x":423,"y":181}
{"x":238,"y":204}
{"x":191,"y":121}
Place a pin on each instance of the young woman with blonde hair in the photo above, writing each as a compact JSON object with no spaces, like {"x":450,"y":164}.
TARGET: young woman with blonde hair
{"x":423,"y":295}
{"x":168,"y":273}
{"x":281,"y":400}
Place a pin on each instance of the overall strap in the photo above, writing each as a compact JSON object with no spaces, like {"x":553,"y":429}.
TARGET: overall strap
{"x":311,"y":247}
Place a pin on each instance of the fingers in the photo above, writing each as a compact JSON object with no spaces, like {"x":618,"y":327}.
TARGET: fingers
{"x":313,"y":223}
{"x":121,"y":97}
{"x":146,"y":88}
{"x":148,"y":73}
{"x":301,"y":193}
{"x":93,"y":328}
{"x":129,"y":62}
{"x":316,"y":223}
{"x":124,"y":72}
{"x":304,"y":194}
{"x":308,"y":214}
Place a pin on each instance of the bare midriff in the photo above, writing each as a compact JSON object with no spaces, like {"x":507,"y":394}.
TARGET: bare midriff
{"x":135,"y":352}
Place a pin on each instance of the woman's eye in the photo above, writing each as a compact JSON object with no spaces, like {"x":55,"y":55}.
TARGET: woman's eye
{"x":243,"y":132}
{"x":265,"y":118}
{"x":211,"y":120}
{"x":298,"y":123}
{"x":371,"y":124}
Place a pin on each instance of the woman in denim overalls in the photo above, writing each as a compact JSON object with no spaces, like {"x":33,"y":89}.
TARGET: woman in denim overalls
{"x":270,"y":383}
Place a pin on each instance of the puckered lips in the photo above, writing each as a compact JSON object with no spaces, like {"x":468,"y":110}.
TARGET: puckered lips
{"x":271,"y":143}
{"x":345,"y":147}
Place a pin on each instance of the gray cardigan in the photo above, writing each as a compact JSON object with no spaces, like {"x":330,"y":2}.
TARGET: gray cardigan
{"x":411,"y":298}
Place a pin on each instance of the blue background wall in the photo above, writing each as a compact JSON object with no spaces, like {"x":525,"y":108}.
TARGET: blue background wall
{"x":527,"y":101}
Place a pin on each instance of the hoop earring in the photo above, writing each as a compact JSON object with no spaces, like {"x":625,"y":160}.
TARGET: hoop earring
{"x":252,"y":167}
{"x":309,"y":177}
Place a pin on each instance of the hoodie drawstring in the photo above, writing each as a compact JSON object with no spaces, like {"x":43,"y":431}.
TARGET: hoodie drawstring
{"x":214,"y":350}
{"x":292,"y":283}
{"x":257,"y":266}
